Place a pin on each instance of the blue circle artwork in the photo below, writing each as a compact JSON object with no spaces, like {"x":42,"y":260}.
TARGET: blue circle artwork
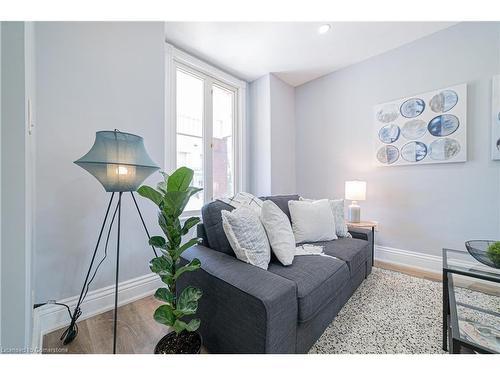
{"x":444,"y":101}
{"x":388,"y":154}
{"x":388,"y":113}
{"x":389,"y":133}
{"x":443,"y":125}
{"x":414,"y":151}
{"x":412,"y":107}
{"x":414,"y":129}
{"x":444,"y":149}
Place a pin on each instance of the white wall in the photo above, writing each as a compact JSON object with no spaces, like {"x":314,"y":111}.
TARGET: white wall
{"x":259,"y":113}
{"x":272,"y":136}
{"x":92,"y":76}
{"x":0,"y":184}
{"x":420,"y":208}
{"x":16,"y":211}
{"x":282,"y":137}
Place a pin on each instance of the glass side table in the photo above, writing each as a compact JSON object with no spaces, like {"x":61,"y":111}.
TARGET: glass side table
{"x":471,"y":304}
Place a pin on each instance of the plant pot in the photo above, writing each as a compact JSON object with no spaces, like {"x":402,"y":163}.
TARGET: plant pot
{"x":479,"y":250}
{"x":183,"y":343}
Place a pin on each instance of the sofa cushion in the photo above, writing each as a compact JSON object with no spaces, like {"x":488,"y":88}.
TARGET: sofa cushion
{"x":318,"y":280}
{"x":351,"y":250}
{"x":212,"y":221}
{"x":282,"y":202}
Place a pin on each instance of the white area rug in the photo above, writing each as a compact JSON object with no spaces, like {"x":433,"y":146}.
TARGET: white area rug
{"x":389,"y":313}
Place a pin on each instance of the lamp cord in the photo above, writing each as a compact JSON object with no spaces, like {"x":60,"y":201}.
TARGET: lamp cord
{"x":105,"y":254}
{"x":78,"y":312}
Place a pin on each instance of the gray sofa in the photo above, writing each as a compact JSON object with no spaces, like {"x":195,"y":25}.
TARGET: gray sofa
{"x":245,"y":309}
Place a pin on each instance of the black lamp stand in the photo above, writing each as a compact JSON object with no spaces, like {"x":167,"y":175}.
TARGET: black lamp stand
{"x":71,"y":332}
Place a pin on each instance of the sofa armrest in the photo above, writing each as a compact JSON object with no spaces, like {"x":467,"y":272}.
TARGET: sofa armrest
{"x":244,"y":309}
{"x":362,"y":234}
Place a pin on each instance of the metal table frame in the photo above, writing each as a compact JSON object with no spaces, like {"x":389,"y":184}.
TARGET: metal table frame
{"x":451,"y":331}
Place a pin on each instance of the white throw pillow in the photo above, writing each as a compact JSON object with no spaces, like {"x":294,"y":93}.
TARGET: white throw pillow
{"x":243,"y":199}
{"x":279,"y":232}
{"x":312,"y":221}
{"x":247,"y":236}
{"x":337,"y":206}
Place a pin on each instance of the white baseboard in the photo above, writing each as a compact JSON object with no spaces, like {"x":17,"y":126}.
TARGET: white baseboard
{"x":49,"y":318}
{"x":426,"y":262}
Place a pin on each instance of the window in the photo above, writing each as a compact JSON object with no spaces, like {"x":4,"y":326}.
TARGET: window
{"x":207,"y":135}
{"x":189,"y":130}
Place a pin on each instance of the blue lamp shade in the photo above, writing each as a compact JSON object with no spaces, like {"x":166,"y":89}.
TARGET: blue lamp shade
{"x":118,"y":160}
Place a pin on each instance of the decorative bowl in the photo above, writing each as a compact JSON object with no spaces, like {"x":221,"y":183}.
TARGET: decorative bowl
{"x":479,"y":250}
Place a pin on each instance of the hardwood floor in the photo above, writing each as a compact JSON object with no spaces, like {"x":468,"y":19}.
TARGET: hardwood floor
{"x":409,"y":271}
{"x":137,"y":330}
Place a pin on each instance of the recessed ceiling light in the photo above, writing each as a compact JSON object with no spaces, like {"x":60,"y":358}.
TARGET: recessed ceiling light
{"x":324,"y":28}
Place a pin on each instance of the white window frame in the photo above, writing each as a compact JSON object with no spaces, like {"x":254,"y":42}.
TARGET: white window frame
{"x":174,"y":59}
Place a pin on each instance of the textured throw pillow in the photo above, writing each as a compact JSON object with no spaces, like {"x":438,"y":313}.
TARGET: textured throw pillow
{"x":247,"y":236}
{"x":279,"y":232}
{"x":337,"y":206}
{"x":339,"y":214}
{"x":243,"y":199}
{"x":312,"y":221}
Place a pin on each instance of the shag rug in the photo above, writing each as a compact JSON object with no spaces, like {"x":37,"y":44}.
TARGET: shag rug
{"x":389,"y":313}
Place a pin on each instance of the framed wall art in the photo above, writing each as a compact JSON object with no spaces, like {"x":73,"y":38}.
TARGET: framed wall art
{"x":426,"y":128}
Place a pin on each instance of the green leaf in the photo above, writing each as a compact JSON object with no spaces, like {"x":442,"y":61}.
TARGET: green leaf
{"x":180,"y":179}
{"x":148,"y":192}
{"x":162,"y":265}
{"x":167,"y":279}
{"x":187,"y":245}
{"x":162,"y":187}
{"x":193,"y":190}
{"x":163,"y":222}
{"x":165,"y":315}
{"x":188,"y":309}
{"x":193,"y":325}
{"x":187,"y":297}
{"x":189,"y":223}
{"x":174,"y":203}
{"x":163,"y":294}
{"x":158,"y":241}
{"x":180,"y":326}
{"x":191,"y":266}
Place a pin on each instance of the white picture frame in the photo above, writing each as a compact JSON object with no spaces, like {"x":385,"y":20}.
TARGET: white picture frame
{"x":426,"y":128}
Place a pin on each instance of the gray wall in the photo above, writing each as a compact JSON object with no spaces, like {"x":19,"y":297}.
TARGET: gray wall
{"x":0,"y":183}
{"x":15,"y":215}
{"x":420,"y":208}
{"x":272,"y":136}
{"x":282,"y":137}
{"x":90,"y":77}
{"x":259,"y":113}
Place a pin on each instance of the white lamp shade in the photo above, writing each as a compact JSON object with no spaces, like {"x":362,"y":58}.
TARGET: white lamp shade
{"x":355,"y":190}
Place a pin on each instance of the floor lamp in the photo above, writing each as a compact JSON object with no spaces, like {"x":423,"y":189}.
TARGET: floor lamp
{"x":119,"y":161}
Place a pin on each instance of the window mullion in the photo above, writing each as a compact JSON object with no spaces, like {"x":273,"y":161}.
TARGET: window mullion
{"x":207,"y":140}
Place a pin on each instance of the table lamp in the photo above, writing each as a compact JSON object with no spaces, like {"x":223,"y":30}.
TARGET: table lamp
{"x":355,"y":191}
{"x":120,"y":162}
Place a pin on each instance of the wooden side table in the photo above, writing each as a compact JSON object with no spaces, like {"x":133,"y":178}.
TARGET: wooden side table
{"x":367,"y":224}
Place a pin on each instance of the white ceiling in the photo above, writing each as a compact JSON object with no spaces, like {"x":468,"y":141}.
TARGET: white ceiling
{"x":294,"y":51}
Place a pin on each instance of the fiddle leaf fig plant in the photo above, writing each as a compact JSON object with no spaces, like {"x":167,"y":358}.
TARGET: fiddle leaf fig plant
{"x":171,"y":196}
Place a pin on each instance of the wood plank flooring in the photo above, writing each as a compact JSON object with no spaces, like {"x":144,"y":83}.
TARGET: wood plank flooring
{"x":137,"y":331}
{"x":409,"y":271}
